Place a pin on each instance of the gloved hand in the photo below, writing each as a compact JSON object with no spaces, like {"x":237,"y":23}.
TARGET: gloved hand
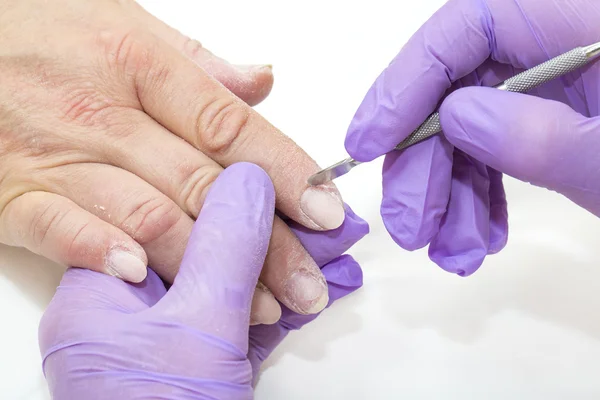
{"x":102,"y":338}
{"x":452,"y":197}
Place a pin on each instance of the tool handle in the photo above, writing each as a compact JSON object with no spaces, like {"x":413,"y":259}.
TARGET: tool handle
{"x":520,"y":83}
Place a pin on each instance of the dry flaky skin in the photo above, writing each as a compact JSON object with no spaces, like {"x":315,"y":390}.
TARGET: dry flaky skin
{"x":113,"y":127}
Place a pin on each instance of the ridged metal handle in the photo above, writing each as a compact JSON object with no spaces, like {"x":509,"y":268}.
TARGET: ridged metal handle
{"x":521,"y":83}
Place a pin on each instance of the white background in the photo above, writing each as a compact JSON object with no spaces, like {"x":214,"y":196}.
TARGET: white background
{"x":526,"y":326}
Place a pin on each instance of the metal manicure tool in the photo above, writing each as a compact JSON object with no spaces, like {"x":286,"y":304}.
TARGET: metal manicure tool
{"x":520,"y":83}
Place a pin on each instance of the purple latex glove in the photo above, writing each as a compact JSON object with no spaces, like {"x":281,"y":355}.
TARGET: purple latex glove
{"x":453,"y":198}
{"x":102,"y":338}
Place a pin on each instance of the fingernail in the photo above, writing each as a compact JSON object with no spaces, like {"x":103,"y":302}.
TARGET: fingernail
{"x":126,"y":266}
{"x":307,"y":293}
{"x":323,"y":207}
{"x":265,"y":309}
{"x":256,"y":68}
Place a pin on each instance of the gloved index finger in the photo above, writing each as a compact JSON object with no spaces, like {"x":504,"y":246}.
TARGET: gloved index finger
{"x":450,"y":45}
{"x":225,"y":254}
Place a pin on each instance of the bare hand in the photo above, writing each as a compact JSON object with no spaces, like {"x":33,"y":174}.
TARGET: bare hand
{"x":113,"y":127}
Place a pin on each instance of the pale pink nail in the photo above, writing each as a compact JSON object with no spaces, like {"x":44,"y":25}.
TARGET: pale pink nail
{"x":307,"y":293}
{"x":255,"y":68}
{"x":323,"y":207}
{"x":124,"y":265}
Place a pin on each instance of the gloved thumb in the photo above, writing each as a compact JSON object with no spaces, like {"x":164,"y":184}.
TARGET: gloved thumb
{"x":214,"y":287}
{"x":543,"y":142}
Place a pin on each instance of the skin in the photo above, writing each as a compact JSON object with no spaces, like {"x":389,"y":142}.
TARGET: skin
{"x":113,"y":126}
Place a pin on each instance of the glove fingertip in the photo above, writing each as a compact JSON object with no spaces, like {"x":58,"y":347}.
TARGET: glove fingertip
{"x":344,"y":272}
{"x":463,"y":265}
{"x":498,"y":237}
{"x":359,"y":226}
{"x":401,"y":233}
{"x":363,"y":150}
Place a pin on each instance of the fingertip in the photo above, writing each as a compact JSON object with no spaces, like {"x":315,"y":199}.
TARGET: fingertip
{"x":326,"y":246}
{"x":246,"y":170}
{"x":402,"y":236}
{"x":243,"y":176}
{"x":360,"y":147}
{"x":463,"y":264}
{"x":323,"y":208}
{"x":129,"y":265}
{"x":265,"y":309}
{"x":406,"y":225}
{"x":416,"y":189}
{"x":344,"y":271}
{"x":354,"y":223}
{"x":344,"y":276}
{"x":305,"y":292}
{"x":259,"y":84}
{"x":498,"y":239}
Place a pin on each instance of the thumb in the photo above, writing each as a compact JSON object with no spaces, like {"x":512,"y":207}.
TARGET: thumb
{"x":543,"y":142}
{"x":214,"y":287}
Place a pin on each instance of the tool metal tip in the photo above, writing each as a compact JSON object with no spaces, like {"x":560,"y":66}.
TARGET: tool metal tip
{"x":335,"y":171}
{"x":593,"y":50}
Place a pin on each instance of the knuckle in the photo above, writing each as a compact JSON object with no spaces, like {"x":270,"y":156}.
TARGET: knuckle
{"x":192,"y":48}
{"x":45,"y":220}
{"x":196,"y":180}
{"x":220,"y":125}
{"x":149,"y":220}
{"x":85,"y":105}
{"x":135,"y":54}
{"x":124,"y":49}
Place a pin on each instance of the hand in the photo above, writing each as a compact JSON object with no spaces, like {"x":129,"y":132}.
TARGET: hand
{"x":113,"y":127}
{"x":103,"y":338}
{"x":452,"y":197}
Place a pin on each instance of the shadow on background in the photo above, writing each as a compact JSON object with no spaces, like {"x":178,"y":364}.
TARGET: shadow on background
{"x":36,"y":277}
{"x":310,"y":343}
{"x":539,"y":281}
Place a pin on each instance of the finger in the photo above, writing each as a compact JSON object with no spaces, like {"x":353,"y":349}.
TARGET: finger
{"x":191,"y":104}
{"x":417,"y":181}
{"x":292,"y":274}
{"x":542,"y":142}
{"x":416,"y":189}
{"x":265,"y":309}
{"x":462,"y":241}
{"x":183,"y":173}
{"x":344,"y":276}
{"x":498,"y":213}
{"x":131,"y":205}
{"x":226,"y":251}
{"x":191,"y":175}
{"x":58,"y":229}
{"x":325,"y":246}
{"x":251,"y":83}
